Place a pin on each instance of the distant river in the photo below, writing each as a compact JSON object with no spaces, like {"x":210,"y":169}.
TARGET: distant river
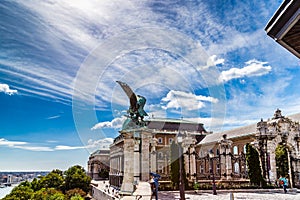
{"x":5,"y":191}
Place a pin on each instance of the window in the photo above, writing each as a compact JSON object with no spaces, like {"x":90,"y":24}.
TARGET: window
{"x":218,"y":168}
{"x":160,"y":140}
{"x":170,"y":140}
{"x":160,"y":169}
{"x":245,"y":150}
{"x":201,"y":154}
{"x":236,"y":168}
{"x":235,"y":150}
{"x":160,"y":155}
{"x":201,"y":169}
{"x":218,"y":152}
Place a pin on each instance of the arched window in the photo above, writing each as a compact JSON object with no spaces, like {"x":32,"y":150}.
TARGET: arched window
{"x":159,"y":140}
{"x":201,"y":169}
{"x":160,"y":155}
{"x":235,"y":150}
{"x":160,"y":169}
{"x":170,"y":140}
{"x":201,"y":154}
{"x":218,"y":168}
{"x":245,"y":149}
{"x":236,"y":168}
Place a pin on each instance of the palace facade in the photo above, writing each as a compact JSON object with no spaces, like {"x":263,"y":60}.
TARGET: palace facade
{"x":220,"y":156}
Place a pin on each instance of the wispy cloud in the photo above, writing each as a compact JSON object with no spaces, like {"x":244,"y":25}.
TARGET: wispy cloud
{"x":252,"y":68}
{"x":183,"y":100}
{"x":5,"y":88}
{"x":54,"y":117}
{"x":92,"y":144}
{"x":115,"y":123}
{"x":22,"y":145}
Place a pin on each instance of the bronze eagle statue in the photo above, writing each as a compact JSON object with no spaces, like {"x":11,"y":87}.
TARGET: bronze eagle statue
{"x":137,"y":102}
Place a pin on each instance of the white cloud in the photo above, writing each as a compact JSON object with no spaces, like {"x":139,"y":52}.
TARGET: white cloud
{"x":252,"y":68}
{"x":184,"y":100}
{"x":54,"y":117}
{"x":214,"y":60}
{"x":4,"y":142}
{"x":5,"y":88}
{"x":115,"y":123}
{"x":92,"y":144}
{"x":22,"y":145}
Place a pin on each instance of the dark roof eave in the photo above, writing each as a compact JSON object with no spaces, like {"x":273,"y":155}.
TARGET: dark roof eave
{"x":281,"y":17}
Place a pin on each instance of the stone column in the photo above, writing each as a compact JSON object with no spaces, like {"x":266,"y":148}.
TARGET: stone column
{"x":225,"y":147}
{"x":145,"y":160}
{"x":136,"y":162}
{"x":272,"y":157}
{"x":193,"y":162}
{"x":153,"y":154}
{"x":128,"y":178}
{"x":228,"y":165}
{"x":290,"y":168}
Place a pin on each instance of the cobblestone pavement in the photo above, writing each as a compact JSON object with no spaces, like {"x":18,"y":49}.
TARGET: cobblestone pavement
{"x":234,"y":196}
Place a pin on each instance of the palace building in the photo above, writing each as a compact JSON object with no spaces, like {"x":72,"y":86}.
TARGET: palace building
{"x":139,"y":150}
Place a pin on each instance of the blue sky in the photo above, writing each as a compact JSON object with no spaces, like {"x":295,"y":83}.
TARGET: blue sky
{"x":205,"y":61}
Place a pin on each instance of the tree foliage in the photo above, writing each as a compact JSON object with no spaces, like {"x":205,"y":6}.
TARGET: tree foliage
{"x":52,"y":180}
{"x":175,"y":166}
{"x":75,"y":177}
{"x":73,"y":184}
{"x":281,"y":158}
{"x":254,"y":168}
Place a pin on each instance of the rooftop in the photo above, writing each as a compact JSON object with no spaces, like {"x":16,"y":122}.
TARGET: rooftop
{"x":284,"y":26}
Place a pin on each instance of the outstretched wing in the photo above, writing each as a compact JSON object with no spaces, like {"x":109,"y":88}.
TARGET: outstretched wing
{"x":131,"y":95}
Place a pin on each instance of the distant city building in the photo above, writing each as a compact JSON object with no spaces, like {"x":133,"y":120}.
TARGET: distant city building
{"x":284,"y":26}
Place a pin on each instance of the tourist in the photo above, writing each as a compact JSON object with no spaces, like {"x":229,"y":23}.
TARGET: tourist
{"x":154,"y":184}
{"x":284,"y":183}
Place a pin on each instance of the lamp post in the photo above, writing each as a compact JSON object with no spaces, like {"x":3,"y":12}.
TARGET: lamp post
{"x":211,"y":155}
{"x":181,"y":182}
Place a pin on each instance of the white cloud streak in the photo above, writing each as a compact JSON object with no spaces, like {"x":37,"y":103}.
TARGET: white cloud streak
{"x":252,"y":68}
{"x":92,"y":144}
{"x":115,"y":123}
{"x":184,"y":100}
{"x":22,"y":145}
{"x":5,"y":88}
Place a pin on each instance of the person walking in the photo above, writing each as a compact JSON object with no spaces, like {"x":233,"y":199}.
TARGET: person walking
{"x":284,"y":183}
{"x":154,"y":184}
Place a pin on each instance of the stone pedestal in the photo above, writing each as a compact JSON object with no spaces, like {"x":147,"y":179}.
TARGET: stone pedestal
{"x":128,"y":178}
{"x":145,"y":158}
{"x":153,"y":154}
{"x":136,"y":159}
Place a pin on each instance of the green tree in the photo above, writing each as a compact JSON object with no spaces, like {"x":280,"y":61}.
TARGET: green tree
{"x":48,"y":194}
{"x":281,"y":160}
{"x":175,"y":166}
{"x":51,"y":187}
{"x":52,"y":180}
{"x":75,"y":192}
{"x":254,"y":168}
{"x":21,"y":192}
{"x":77,"y":197}
{"x":75,"y":177}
